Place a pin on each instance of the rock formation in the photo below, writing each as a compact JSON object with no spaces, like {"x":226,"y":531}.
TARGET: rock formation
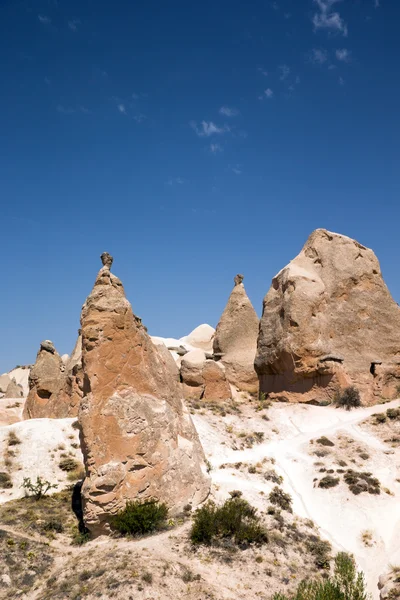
{"x":328,"y":322}
{"x":235,"y":340}
{"x":202,"y":378}
{"x":202,"y":337}
{"x":5,"y":381}
{"x":53,"y":389}
{"x":137,"y":436}
{"x":14,"y":390}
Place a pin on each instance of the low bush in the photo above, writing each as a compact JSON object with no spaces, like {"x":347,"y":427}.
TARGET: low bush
{"x":321,"y":551}
{"x":38,"y":489}
{"x":328,"y":482}
{"x":345,"y":584}
{"x":5,"y":481}
{"x":380,"y":417}
{"x":393,"y":413}
{"x":68,"y":464}
{"x":359,"y":482}
{"x":348,"y":398}
{"x":236,"y":519}
{"x":54,"y":525}
{"x":13,"y":439}
{"x":138,"y":518}
{"x":280,"y":498}
{"x":324,"y":441}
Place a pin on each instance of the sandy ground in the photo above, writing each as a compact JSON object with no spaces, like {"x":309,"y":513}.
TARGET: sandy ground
{"x":340,"y":515}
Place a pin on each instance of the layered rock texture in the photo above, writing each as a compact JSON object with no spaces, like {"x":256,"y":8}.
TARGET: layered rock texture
{"x":328,"y":322}
{"x":14,"y":390}
{"x":53,"y":386}
{"x":137,"y":436}
{"x":203,"y":379}
{"x":235,"y":339}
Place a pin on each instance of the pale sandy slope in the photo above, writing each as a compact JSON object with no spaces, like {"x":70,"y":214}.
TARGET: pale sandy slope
{"x":340,"y":515}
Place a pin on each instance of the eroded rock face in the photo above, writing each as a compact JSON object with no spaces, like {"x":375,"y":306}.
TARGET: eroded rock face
{"x":202,"y":378}
{"x":53,"y":389}
{"x":329,"y":321}
{"x":137,"y":436}
{"x":235,"y":340}
{"x":14,"y":390}
{"x":5,"y":381}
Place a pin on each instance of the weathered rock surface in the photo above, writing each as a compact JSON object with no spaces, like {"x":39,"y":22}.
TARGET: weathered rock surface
{"x":235,"y":340}
{"x":5,"y":381}
{"x":389,"y":584}
{"x":137,"y":436}
{"x":329,"y":321}
{"x":14,"y":390}
{"x":53,"y":391}
{"x":202,"y":378}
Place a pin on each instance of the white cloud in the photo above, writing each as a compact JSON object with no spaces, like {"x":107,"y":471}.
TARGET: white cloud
{"x":341,"y":81}
{"x":343,"y":54}
{"x":206,"y":129}
{"x":319,"y":56}
{"x":268,"y":93}
{"x":215,"y":148}
{"x":122,"y":109}
{"x":237,"y":170}
{"x":44,"y":20}
{"x":140,"y":118}
{"x":73,"y":24}
{"x":174,"y":181}
{"x":263,"y":71}
{"x":275,"y":5}
{"x":327,"y":19}
{"x":69,"y":110}
{"x":285,"y":72}
{"x":377,"y":3}
{"x":228,"y":112}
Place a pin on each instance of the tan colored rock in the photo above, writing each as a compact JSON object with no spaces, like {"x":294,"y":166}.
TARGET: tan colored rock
{"x":14,"y":390}
{"x":216,"y":386}
{"x":329,"y":321}
{"x":192,"y":366}
{"x":51,"y":390}
{"x":235,"y":339}
{"x":5,"y":381}
{"x":138,"y":438}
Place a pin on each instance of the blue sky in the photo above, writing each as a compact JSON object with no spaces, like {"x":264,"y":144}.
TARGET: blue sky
{"x":192,"y":141}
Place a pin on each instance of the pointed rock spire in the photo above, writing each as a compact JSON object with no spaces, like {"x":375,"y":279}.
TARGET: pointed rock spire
{"x":235,"y":338}
{"x":138,"y":438}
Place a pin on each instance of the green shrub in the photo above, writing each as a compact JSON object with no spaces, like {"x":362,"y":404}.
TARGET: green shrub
{"x":68,"y":464}
{"x":393,"y":413}
{"x":359,"y":482}
{"x":321,"y":551}
{"x":5,"y":481}
{"x":380,"y":417}
{"x":346,"y":584}
{"x":324,"y":441}
{"x":54,"y":525}
{"x":138,"y":518}
{"x":348,"y":398}
{"x":328,"y":482}
{"x":235,"y":519}
{"x":280,"y":498}
{"x":38,"y":489}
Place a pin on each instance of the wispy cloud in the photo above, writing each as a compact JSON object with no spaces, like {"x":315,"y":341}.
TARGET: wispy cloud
{"x":139,"y":118}
{"x":135,"y":96}
{"x":328,"y":19}
{"x":377,"y":3}
{"x":285,"y":72}
{"x":263,"y":71}
{"x":215,"y":148}
{"x":122,"y":108}
{"x":208,"y":128}
{"x":174,"y":181}
{"x":268,"y":93}
{"x":44,"y":20}
{"x":236,"y":169}
{"x":74,"y":24}
{"x":343,"y":54}
{"x":228,"y":112}
{"x":341,"y":81}
{"x":70,"y":110}
{"x":318,"y":56}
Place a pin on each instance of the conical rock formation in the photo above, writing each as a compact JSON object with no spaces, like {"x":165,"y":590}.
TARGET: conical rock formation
{"x":14,"y":390}
{"x":137,"y":436}
{"x":235,"y":340}
{"x":52,"y":390}
{"x":328,"y":322}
